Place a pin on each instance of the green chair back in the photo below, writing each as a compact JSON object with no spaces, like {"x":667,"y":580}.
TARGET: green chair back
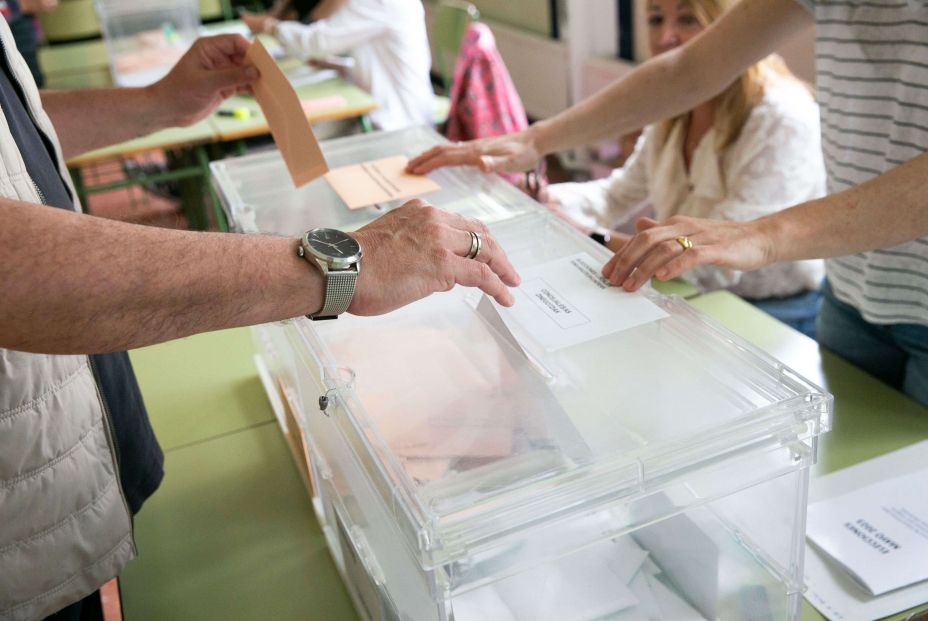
{"x":73,"y":19}
{"x":216,"y":9}
{"x":452,"y":17}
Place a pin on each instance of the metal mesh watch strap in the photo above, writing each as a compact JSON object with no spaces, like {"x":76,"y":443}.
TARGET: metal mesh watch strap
{"x":339,"y":289}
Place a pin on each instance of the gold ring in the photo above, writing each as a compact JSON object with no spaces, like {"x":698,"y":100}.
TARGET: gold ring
{"x":684,"y":242}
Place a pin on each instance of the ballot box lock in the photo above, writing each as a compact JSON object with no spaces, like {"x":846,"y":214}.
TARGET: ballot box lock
{"x":324,"y":401}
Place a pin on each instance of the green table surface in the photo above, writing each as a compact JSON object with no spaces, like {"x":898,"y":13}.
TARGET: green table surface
{"x":677,"y":286}
{"x":201,"y":387}
{"x":170,"y":138}
{"x":870,"y":418}
{"x":357,"y":102}
{"x":231,"y":534}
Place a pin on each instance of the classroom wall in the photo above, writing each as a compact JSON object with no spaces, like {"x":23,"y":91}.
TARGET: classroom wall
{"x":538,"y":64}
{"x":552,"y":74}
{"x":530,"y":15}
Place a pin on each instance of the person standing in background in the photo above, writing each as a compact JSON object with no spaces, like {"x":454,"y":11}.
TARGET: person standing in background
{"x":388,"y":41}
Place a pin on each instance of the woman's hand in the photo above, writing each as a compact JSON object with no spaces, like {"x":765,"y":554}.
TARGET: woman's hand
{"x":510,"y":153}
{"x":655,"y":250}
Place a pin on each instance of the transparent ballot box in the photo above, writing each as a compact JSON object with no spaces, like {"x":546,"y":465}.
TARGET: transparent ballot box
{"x":145,"y":38}
{"x":658,"y":472}
{"x":257,"y":194}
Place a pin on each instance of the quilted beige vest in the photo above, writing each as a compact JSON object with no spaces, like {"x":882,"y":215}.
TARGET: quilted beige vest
{"x":65,"y":528}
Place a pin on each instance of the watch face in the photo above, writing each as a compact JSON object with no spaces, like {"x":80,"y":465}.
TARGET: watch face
{"x":334,"y":244}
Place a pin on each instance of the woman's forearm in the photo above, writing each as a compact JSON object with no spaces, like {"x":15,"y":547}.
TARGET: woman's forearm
{"x":887,"y":210}
{"x":679,"y":80}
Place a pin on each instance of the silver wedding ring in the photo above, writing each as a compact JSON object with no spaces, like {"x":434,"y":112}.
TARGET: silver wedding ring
{"x":475,"y":245}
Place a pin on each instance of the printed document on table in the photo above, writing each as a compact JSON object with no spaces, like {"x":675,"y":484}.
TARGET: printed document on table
{"x":876,"y":492}
{"x":878,"y":533}
{"x":378,"y":181}
{"x":567,"y":301}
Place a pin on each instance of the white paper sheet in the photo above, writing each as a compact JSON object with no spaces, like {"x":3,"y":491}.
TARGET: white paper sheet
{"x":878,"y":533}
{"x":566,"y":302}
{"x":830,"y":589}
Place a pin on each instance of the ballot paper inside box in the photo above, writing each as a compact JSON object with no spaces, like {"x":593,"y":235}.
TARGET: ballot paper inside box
{"x":145,"y":38}
{"x":465,"y":471}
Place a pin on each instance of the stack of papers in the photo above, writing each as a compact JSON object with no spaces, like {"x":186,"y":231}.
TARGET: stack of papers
{"x":868,"y":530}
{"x":878,"y":533}
{"x":614,"y":580}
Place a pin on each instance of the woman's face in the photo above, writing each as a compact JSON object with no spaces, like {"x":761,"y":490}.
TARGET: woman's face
{"x":671,"y":23}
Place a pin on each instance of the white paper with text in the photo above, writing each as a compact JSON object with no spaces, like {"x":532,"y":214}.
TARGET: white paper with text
{"x":878,"y":533}
{"x":566,"y":302}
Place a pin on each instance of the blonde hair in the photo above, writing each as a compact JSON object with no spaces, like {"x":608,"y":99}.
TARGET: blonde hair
{"x":733,"y":105}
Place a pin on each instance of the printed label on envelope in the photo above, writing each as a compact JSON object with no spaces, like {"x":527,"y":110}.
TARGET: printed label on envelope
{"x":567,"y":301}
{"x":286,"y":118}
{"x":379,"y":181}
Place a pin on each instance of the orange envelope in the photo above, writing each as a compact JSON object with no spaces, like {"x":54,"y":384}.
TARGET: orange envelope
{"x":379,"y":181}
{"x":285,"y":116}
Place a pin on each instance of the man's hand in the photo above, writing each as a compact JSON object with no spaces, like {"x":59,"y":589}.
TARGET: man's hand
{"x":417,"y":250}
{"x":510,"y":153}
{"x":212,"y":70}
{"x":655,"y":251}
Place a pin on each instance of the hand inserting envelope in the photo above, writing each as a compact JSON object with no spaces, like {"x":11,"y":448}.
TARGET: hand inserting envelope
{"x":359,"y":185}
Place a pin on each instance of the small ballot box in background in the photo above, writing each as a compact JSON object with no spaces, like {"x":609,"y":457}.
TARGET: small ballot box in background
{"x":145,"y":38}
{"x":462,"y":471}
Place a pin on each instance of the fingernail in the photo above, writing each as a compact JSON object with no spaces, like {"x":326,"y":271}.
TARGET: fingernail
{"x":628,"y":284}
{"x":661,"y":274}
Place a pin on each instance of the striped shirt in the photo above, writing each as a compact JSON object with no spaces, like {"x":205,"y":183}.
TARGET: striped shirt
{"x":872,"y":84}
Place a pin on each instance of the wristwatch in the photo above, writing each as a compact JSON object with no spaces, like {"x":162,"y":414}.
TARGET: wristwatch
{"x":338,"y":256}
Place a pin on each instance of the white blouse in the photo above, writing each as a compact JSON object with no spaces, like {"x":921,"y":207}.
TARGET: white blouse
{"x":775,"y":163}
{"x":388,"y":41}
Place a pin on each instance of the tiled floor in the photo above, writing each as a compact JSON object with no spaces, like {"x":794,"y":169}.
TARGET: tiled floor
{"x":133,"y":204}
